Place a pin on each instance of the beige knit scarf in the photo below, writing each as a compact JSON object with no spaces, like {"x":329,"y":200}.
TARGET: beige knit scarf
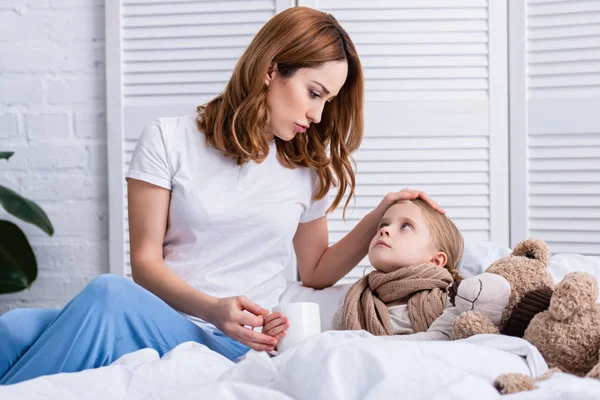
{"x":423,"y":286}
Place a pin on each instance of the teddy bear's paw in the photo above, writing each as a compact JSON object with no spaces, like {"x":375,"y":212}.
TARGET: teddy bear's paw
{"x":594,"y":373}
{"x":472,"y":323}
{"x":514,"y":383}
{"x":578,"y":291}
{"x":534,"y":249}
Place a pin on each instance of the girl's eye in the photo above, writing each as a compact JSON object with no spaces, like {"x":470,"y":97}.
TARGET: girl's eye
{"x":382,"y":225}
{"x":314,"y":94}
{"x":406,"y":225}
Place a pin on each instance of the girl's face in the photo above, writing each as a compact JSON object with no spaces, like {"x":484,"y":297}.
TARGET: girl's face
{"x":403,"y":239}
{"x":298,"y":101}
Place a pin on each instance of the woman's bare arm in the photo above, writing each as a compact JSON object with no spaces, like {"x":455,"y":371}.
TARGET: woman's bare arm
{"x":321,"y":266}
{"x":148,"y":209}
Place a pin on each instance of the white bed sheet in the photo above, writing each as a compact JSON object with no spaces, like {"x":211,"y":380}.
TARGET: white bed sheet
{"x":332,"y":365}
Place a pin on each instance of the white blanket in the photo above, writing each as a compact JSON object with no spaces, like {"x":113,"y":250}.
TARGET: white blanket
{"x":332,"y":365}
{"x":356,"y":365}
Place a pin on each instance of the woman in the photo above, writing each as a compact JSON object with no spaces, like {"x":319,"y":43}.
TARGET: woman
{"x":220,"y":204}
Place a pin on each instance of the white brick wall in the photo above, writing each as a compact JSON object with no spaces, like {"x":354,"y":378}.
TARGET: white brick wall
{"x":52,"y":114}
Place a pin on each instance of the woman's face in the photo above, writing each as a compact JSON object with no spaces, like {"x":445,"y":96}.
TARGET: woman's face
{"x":298,"y":101}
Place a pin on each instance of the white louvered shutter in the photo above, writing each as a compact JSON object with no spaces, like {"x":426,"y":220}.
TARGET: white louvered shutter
{"x":436,"y":108}
{"x":163,"y":59}
{"x":555,"y":101}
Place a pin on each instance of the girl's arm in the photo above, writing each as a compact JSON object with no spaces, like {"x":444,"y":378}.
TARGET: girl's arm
{"x":320,"y":265}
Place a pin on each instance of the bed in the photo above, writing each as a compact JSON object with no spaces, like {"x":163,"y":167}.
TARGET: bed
{"x":332,"y":365}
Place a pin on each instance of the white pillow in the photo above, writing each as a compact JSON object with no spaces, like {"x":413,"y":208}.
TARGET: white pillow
{"x":477,"y":257}
{"x":562,"y":264}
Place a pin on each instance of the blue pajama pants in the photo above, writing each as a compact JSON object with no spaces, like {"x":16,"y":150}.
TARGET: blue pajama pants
{"x":111,"y":317}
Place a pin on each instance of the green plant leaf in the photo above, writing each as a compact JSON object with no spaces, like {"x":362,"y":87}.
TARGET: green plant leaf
{"x":25,"y":209}
{"x":6,"y":154}
{"x":18,"y":267}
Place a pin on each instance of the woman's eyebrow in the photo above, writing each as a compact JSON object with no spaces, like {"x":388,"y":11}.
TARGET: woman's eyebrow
{"x":323,"y":87}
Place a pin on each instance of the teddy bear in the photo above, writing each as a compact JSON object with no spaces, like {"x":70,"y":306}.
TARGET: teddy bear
{"x":567,"y":334}
{"x":563,"y":323}
{"x":526,"y":291}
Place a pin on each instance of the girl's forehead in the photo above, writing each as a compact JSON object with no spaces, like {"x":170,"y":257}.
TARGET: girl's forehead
{"x":404,"y":209}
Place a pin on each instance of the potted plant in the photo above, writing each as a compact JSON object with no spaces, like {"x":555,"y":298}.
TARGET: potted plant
{"x":18,"y":266}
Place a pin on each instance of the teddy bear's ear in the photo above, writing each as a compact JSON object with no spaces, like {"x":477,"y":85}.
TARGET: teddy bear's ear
{"x":534,"y":249}
{"x":577,"y":292}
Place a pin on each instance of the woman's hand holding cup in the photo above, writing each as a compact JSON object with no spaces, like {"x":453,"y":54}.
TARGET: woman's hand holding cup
{"x":233,"y":316}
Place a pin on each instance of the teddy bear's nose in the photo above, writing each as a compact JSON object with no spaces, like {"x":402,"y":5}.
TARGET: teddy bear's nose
{"x":453,"y":291}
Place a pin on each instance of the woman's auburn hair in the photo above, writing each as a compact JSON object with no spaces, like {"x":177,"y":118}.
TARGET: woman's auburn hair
{"x":235,"y":121}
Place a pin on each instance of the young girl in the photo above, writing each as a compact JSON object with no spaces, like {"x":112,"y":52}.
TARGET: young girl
{"x":415,"y":254}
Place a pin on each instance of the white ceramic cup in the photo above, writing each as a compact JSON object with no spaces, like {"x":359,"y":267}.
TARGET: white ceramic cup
{"x":304,"y":320}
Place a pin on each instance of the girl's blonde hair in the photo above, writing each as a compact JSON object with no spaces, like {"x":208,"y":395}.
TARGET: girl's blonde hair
{"x":234,"y":122}
{"x":446,"y":236}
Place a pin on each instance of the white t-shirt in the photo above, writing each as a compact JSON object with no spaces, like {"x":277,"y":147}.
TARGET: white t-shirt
{"x":440,"y":329}
{"x":400,"y":320}
{"x":230,"y":227}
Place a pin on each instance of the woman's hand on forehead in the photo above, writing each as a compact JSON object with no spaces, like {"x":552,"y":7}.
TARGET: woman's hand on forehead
{"x":407,"y":194}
